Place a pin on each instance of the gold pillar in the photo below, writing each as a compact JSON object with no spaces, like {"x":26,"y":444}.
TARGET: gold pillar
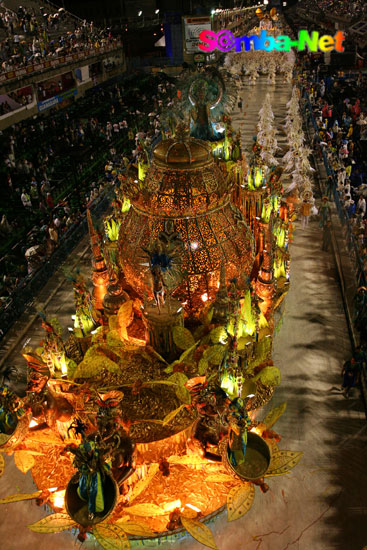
{"x":158,"y":326}
{"x":100,"y":274}
{"x":265,"y":281}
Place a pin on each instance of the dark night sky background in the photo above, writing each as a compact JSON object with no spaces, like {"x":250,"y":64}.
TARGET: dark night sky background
{"x":100,"y":10}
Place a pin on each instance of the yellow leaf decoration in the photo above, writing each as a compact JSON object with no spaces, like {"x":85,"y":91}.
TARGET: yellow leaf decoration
{"x":146,"y":510}
{"x":187,"y":352}
{"x":135,"y":528}
{"x":199,"y":531}
{"x":244,"y":341}
{"x":274,"y":415}
{"x":2,"y":464}
{"x":214,"y":354}
{"x":53,"y":524}
{"x":20,"y":496}
{"x":279,"y":300}
{"x":124,"y":314}
{"x":187,"y":459}
{"x":263,"y":332}
{"x":114,"y":338}
{"x":128,"y":344}
{"x":248,"y":388}
{"x":240,"y":500}
{"x":189,"y":513}
{"x":218,"y":335}
{"x":178,"y":378}
{"x":170,"y":367}
{"x":4,"y":438}
{"x":24,"y":461}
{"x":269,"y":376}
{"x":111,"y":536}
{"x":170,"y":416}
{"x":183,"y":338}
{"x":183,"y":395}
{"x":206,"y":316}
{"x":219,"y":478}
{"x":156,"y":354}
{"x":209,"y":315}
{"x":92,"y":365}
{"x":203,"y":366}
{"x":98,"y":336}
{"x":122,"y":332}
{"x":272,"y":444}
{"x":282,"y":462}
{"x":143,"y":483}
{"x":45,"y":437}
{"x":31,"y":452}
{"x":113,"y":322}
{"x":184,"y":357}
{"x":153,"y":382}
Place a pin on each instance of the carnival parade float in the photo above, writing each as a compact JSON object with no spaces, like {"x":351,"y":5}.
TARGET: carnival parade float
{"x":147,"y":421}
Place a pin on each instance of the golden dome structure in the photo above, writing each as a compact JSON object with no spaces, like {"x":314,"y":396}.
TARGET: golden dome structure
{"x":174,"y":152}
{"x":186,"y":199}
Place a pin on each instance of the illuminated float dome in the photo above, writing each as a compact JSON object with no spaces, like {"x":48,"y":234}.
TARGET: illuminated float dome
{"x":186,"y":197}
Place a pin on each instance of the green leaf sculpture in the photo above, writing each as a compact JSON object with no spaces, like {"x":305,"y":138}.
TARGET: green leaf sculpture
{"x":183,"y":338}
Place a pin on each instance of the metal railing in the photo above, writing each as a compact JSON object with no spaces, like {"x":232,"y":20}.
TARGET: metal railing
{"x":32,"y":69}
{"x":353,"y":250}
{"x":352,"y":244}
{"x":56,"y":8}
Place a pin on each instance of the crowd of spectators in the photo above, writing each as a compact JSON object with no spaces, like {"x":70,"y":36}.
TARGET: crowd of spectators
{"x":300,"y":20}
{"x":350,"y":10}
{"x":340,"y":112}
{"x":5,"y":108}
{"x":46,"y":159}
{"x":31,"y":38}
{"x":319,"y":14}
{"x":15,"y":100}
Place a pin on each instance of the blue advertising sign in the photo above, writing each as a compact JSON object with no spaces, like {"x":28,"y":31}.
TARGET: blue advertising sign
{"x":52,"y":101}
